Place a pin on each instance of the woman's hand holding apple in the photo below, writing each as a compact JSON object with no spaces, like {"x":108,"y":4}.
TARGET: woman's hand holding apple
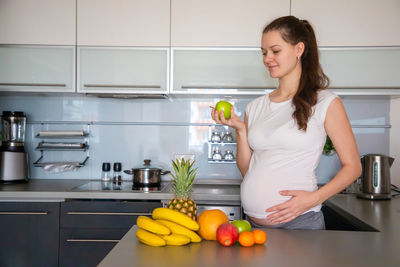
{"x":234,"y":121}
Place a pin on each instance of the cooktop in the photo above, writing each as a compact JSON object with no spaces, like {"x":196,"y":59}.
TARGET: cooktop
{"x":123,"y":186}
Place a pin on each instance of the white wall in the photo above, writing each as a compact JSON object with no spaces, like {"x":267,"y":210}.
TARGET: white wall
{"x":395,"y":140}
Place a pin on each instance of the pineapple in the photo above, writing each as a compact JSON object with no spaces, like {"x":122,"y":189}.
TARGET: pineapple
{"x":182,"y":183}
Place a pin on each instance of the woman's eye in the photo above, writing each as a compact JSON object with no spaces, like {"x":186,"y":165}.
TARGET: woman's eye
{"x":275,"y":52}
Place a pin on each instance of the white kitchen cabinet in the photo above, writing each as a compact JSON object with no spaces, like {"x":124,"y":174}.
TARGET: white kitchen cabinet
{"x":351,"y":23}
{"x":45,"y":22}
{"x":222,"y":22}
{"x":123,"y":70}
{"x":362,"y":70}
{"x":123,"y":22}
{"x":219,"y":71}
{"x":37,"y":68}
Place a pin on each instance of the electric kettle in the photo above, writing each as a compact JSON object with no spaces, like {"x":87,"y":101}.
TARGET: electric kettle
{"x":375,"y":177}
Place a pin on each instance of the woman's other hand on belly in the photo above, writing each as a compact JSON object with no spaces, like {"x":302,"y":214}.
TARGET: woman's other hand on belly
{"x":300,"y":202}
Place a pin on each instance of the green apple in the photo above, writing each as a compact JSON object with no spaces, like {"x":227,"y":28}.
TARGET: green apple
{"x":242,"y":225}
{"x":225,"y":107}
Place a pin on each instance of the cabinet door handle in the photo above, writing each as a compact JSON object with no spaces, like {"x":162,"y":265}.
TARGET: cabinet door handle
{"x":233,"y":87}
{"x":94,"y":240}
{"x":122,"y":86}
{"x":23,"y":213}
{"x":109,"y":213}
{"x":35,"y":84}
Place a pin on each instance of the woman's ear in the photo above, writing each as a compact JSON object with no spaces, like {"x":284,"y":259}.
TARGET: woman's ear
{"x":299,"y":49}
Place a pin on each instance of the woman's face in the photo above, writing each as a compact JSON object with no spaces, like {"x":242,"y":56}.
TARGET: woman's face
{"x":279,"y":56}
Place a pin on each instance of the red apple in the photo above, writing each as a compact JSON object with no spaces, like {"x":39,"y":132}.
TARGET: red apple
{"x":227,"y":234}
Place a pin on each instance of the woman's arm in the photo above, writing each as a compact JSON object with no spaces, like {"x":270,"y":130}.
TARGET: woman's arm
{"x":244,"y":151}
{"x":337,"y":126}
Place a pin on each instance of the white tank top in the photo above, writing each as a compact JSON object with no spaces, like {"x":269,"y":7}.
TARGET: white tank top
{"x":284,"y":158}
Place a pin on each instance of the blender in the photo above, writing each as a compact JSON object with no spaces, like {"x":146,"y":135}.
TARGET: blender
{"x":13,"y":158}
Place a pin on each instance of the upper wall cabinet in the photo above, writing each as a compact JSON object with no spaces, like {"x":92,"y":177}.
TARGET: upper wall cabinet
{"x":362,"y":70}
{"x":123,"y":22}
{"x":222,"y":22}
{"x":34,"y":68}
{"x":235,"y":71}
{"x":351,"y":23}
{"x":123,"y":70}
{"x":45,"y":22}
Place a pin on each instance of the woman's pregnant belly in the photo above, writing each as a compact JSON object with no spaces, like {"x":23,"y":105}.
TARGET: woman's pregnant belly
{"x":260,"y":189}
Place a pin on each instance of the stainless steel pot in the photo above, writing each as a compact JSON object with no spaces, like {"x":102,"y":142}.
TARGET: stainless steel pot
{"x":146,"y":175}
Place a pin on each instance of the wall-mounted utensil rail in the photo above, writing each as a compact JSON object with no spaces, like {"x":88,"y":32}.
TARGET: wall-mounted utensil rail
{"x":141,"y":123}
{"x":38,"y":162}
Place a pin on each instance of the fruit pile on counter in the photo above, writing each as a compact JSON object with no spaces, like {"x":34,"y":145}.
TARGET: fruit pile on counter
{"x":171,"y":227}
{"x":178,"y":223}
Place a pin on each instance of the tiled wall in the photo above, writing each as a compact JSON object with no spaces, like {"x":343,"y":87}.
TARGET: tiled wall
{"x":129,"y":131}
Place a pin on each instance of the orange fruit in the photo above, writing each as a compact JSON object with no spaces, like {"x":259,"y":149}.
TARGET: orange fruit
{"x":259,"y":236}
{"x":209,"y":220}
{"x":246,"y":239}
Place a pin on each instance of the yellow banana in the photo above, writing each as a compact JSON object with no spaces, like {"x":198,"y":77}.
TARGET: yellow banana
{"x":176,"y":239}
{"x":150,"y":238}
{"x":175,"y":216}
{"x":151,"y":225}
{"x":178,"y":229}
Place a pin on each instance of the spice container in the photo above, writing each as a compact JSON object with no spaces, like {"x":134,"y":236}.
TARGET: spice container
{"x":117,"y":176}
{"x":217,"y":154}
{"x":215,"y":137}
{"x":228,"y":156}
{"x":227,"y":138}
{"x":105,"y":174}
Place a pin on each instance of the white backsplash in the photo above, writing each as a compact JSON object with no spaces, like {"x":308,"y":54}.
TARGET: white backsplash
{"x":129,"y":131}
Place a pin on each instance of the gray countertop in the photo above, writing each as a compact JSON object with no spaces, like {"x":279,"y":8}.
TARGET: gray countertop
{"x":59,"y":190}
{"x":285,"y":247}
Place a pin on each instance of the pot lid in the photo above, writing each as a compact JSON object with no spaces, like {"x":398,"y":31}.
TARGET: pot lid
{"x":147,"y":166}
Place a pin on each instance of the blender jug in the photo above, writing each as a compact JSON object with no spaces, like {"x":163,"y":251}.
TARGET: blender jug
{"x":13,"y":125}
{"x":14,"y":165}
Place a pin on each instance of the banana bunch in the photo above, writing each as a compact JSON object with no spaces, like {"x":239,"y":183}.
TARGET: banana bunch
{"x":168,"y":227}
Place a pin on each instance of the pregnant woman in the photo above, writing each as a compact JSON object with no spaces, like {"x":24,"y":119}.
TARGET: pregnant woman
{"x":280,"y":142}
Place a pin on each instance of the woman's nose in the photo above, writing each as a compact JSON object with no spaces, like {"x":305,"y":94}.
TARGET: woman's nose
{"x":267,"y":59}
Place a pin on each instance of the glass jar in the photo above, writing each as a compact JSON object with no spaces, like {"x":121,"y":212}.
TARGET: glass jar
{"x":215,"y":137}
{"x":227,"y":138}
{"x":217,"y":154}
{"x":117,"y":177}
{"x":105,"y":174}
{"x":228,"y":156}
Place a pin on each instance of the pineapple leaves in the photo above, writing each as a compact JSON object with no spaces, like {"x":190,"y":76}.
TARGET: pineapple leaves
{"x":183,"y":178}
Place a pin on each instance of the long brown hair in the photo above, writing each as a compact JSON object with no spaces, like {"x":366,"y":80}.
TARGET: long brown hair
{"x":312,"y":77}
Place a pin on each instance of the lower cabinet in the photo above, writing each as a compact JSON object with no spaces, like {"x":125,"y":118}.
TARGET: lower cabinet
{"x":90,"y":229}
{"x":336,"y":219}
{"x":29,"y":233}
{"x":87,"y":247}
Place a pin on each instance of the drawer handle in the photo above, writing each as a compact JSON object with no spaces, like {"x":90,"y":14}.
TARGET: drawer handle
{"x":34,"y":84}
{"x":122,"y":86}
{"x":108,"y":213}
{"x":94,"y":240}
{"x":23,"y":213}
